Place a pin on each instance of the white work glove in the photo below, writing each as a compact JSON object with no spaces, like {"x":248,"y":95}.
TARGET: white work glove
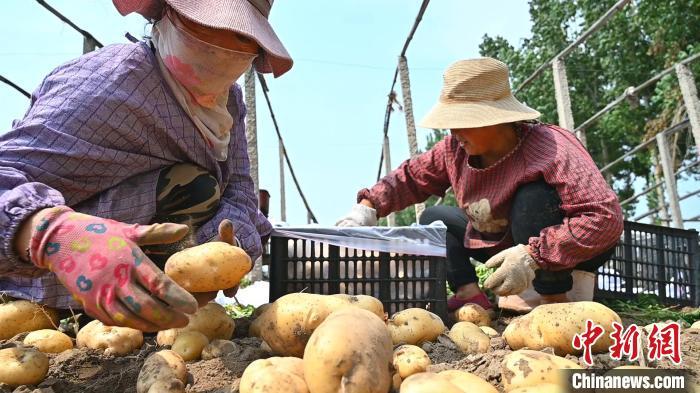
{"x":515,"y":271}
{"x":359,"y":216}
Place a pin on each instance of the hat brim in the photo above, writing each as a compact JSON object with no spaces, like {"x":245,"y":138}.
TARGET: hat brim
{"x":477,"y":114}
{"x":240,"y":17}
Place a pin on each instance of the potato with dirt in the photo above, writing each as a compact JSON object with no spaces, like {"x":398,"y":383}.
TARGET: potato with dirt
{"x":527,"y":368}
{"x":274,"y":375}
{"x":112,"y":340}
{"x":219,"y":348}
{"x":366,"y":302}
{"x":210,"y":320}
{"x":350,"y":351}
{"x":49,"y":341}
{"x":287,"y":324}
{"x":22,"y":366}
{"x":20,"y":316}
{"x":162,"y":372}
{"x":469,"y":338}
{"x":409,"y":360}
{"x":473,"y":313}
{"x":467,"y":381}
{"x":208,"y":267}
{"x":189,"y":345}
{"x":415,"y":326}
{"x":555,"y":325}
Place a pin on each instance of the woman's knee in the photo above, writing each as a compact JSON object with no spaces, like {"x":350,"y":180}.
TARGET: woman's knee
{"x":536,"y":205}
{"x":446,"y":214}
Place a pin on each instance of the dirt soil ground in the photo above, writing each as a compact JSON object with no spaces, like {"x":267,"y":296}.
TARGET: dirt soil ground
{"x":84,"y":370}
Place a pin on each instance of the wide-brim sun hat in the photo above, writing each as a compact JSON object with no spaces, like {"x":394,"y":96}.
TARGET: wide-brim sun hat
{"x":476,"y":93}
{"x":247,"y":17}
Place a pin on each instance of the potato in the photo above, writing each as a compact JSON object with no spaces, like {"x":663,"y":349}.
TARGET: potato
{"x":20,"y":316}
{"x":162,"y":372}
{"x":22,"y":366}
{"x":524,"y":368}
{"x":543,"y":388}
{"x":473,"y":313}
{"x":695,"y":325}
{"x":219,"y":348}
{"x":274,"y":375}
{"x":555,"y":325}
{"x":366,"y":302}
{"x":287,"y":324}
{"x":349,"y":352}
{"x":469,"y":338}
{"x":208,"y":267}
{"x":415,"y":326}
{"x":210,"y":320}
{"x":489,"y":331}
{"x":468,"y":382}
{"x":428,"y":383}
{"x":49,"y":341}
{"x":112,"y":340}
{"x":189,"y":345}
{"x":410,"y":359}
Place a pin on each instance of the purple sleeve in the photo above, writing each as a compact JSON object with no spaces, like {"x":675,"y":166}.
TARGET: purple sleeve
{"x":238,"y":201}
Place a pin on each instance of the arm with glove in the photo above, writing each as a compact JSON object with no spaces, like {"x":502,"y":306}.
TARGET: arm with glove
{"x":412,"y":182}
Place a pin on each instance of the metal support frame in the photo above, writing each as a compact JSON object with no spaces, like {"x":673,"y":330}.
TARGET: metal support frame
{"x":410,"y":121}
{"x":690,"y":97}
{"x":283,"y":199}
{"x":669,"y":179}
{"x":251,"y":127}
{"x":561,"y":93}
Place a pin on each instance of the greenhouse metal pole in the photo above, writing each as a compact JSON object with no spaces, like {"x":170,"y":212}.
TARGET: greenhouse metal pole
{"x":670,"y":180}
{"x":410,"y":120}
{"x":690,"y":97}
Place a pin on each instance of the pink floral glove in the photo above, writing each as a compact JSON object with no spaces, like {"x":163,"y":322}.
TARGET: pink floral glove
{"x":101,"y":263}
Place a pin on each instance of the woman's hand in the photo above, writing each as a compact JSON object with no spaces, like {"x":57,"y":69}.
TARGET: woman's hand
{"x":362,"y":214}
{"x":515,"y":271}
{"x":101,"y":263}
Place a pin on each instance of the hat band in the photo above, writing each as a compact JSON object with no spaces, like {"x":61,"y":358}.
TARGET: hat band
{"x":261,"y":5}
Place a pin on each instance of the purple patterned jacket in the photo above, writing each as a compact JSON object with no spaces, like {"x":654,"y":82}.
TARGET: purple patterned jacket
{"x":98,"y":131}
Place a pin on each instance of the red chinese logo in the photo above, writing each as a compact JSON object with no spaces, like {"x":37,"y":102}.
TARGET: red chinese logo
{"x":586,"y":340}
{"x":665,"y":342}
{"x":626,"y":343}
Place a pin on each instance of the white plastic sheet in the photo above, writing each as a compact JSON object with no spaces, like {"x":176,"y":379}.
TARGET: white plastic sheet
{"x":428,"y":240}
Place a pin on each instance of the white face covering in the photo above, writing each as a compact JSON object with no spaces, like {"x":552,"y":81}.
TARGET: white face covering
{"x":200,"y":75}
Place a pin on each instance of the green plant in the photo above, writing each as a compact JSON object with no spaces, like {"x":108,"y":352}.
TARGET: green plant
{"x":647,"y":309}
{"x":237,"y":311}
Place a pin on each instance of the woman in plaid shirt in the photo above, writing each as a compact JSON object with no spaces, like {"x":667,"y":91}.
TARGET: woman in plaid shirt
{"x":130,"y":135}
{"x":531,"y":201}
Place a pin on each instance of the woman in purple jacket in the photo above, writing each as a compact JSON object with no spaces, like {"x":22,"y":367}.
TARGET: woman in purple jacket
{"x":151,"y":132}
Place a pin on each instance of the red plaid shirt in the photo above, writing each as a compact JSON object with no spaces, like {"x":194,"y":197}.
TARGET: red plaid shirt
{"x":593,"y":217}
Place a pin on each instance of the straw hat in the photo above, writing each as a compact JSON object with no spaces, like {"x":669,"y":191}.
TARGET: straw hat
{"x":247,"y":17}
{"x":476,"y":93}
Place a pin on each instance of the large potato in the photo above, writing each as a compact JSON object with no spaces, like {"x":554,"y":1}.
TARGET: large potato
{"x":20,"y":316}
{"x":366,"y":302}
{"x":415,"y":326}
{"x":274,"y":375}
{"x":695,"y":325}
{"x":409,"y":360}
{"x":49,"y":341}
{"x":555,"y":325}
{"x":428,"y":383}
{"x":162,"y":372}
{"x":526,"y":368}
{"x":189,"y":345}
{"x":468,"y":382}
{"x":473,"y":313}
{"x":210,"y":320}
{"x":208,"y":267}
{"x":22,"y":366}
{"x":349,"y":352}
{"x":112,"y":340}
{"x":287,"y":324}
{"x":469,"y":338}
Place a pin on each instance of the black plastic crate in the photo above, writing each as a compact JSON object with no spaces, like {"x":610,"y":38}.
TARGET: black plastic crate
{"x":400,"y":281}
{"x":655,"y":260}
